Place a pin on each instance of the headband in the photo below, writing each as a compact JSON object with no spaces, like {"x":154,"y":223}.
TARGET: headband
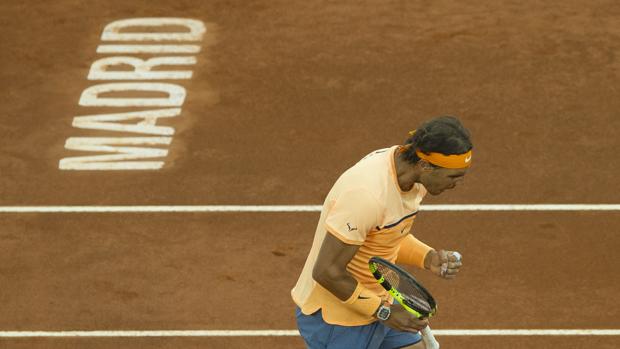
{"x":447,"y":161}
{"x":454,"y":161}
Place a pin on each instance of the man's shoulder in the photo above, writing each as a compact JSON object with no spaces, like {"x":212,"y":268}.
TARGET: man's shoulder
{"x":371,"y":174}
{"x":376,"y":155}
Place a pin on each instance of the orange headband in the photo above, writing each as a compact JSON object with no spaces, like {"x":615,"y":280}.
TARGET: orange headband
{"x":447,"y":161}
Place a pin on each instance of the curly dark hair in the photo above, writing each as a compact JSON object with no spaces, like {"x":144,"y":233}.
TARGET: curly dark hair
{"x":444,"y":134}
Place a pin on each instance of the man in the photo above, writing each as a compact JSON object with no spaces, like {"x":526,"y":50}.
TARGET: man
{"x":369,"y":212}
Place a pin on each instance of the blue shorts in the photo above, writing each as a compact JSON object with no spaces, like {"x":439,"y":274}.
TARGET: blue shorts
{"x":320,"y":335}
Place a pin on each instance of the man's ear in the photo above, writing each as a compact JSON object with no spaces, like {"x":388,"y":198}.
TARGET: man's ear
{"x":425,"y":165}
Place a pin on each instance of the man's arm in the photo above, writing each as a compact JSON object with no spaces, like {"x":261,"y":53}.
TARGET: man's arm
{"x":414,"y":252}
{"x":330,"y":271}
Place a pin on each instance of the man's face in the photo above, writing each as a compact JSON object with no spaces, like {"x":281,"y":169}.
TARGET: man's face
{"x":438,"y":179}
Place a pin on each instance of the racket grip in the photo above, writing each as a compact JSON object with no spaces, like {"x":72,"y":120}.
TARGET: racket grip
{"x":429,"y":340}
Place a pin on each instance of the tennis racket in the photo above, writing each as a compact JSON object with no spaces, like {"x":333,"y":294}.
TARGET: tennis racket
{"x":407,"y":291}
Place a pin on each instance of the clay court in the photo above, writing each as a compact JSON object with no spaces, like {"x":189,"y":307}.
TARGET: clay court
{"x":283,"y":97}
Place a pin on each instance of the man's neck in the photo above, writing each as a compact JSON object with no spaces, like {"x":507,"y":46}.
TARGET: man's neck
{"x":405,"y":172}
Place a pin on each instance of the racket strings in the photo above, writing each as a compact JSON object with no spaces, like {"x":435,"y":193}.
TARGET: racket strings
{"x":413,"y":296}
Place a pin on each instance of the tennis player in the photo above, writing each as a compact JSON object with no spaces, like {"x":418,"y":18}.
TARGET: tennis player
{"x":369,"y":212}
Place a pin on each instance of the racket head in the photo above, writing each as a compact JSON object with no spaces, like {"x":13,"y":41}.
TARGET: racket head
{"x":403,"y":287}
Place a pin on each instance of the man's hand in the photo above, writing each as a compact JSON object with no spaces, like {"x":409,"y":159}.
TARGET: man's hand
{"x":402,"y":320}
{"x":443,"y":263}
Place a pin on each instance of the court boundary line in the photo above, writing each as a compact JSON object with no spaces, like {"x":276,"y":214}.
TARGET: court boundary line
{"x":289,"y":333}
{"x":295,"y":208}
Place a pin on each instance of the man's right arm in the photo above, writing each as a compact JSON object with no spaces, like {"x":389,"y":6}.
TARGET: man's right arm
{"x":330,"y":271}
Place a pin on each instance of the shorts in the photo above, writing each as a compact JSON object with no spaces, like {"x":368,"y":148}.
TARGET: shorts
{"x":320,"y":335}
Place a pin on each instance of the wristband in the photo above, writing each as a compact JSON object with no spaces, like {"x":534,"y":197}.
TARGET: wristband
{"x":412,"y":251}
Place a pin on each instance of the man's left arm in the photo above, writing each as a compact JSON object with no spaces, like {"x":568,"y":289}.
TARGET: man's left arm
{"x":443,"y":263}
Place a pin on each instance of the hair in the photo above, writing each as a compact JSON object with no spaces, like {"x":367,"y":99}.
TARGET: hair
{"x":444,"y":134}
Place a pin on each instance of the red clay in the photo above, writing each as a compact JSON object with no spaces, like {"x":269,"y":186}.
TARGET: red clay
{"x":285,"y":96}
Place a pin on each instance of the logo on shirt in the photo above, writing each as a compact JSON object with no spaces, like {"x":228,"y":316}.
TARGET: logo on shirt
{"x":468,"y":158}
{"x":351,"y":228}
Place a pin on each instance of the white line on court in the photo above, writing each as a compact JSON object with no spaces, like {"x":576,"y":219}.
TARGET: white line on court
{"x":284,"y":333}
{"x":295,"y":208}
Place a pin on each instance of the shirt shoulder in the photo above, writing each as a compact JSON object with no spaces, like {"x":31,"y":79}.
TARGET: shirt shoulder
{"x":371,"y":173}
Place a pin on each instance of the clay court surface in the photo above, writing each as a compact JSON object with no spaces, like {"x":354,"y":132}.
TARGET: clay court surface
{"x":285,"y":96}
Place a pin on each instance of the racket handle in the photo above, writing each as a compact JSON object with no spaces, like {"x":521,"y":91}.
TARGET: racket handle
{"x":429,"y":340}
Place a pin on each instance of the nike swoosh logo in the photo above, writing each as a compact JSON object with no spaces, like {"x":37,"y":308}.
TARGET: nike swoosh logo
{"x":468,"y":159}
